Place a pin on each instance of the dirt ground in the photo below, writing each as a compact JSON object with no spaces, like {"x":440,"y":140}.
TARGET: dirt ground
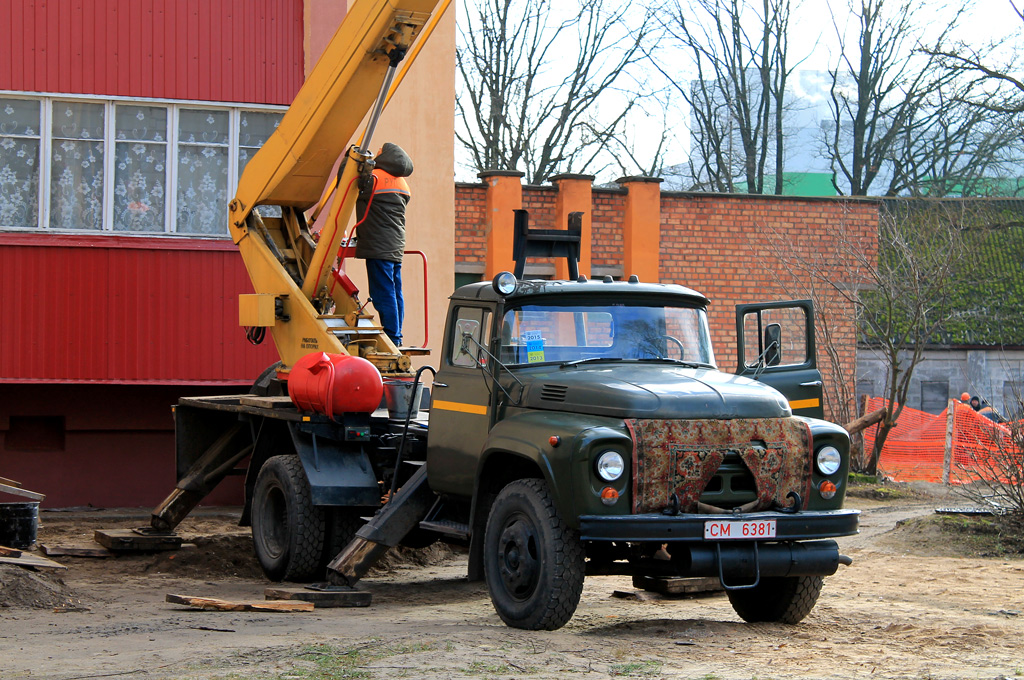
{"x":907,"y":608}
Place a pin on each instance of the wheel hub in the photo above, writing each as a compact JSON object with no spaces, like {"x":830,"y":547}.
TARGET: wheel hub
{"x":518,"y":560}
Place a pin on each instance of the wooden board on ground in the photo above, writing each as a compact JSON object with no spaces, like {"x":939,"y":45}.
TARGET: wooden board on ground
{"x":128,"y":540}
{"x":267,"y":402}
{"x":93,"y":550}
{"x":9,"y":552}
{"x":10,"y":482}
{"x":321,"y":598}
{"x":37,"y":561}
{"x":678,"y":586}
{"x":24,"y":493}
{"x":214,"y":604}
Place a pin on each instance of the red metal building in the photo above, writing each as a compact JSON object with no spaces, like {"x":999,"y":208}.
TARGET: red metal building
{"x":124,"y":125}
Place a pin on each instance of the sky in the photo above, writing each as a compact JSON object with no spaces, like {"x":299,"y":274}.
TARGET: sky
{"x":813,"y":39}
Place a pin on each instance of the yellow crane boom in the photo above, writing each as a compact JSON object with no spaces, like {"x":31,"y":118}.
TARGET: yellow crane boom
{"x":297,"y":296}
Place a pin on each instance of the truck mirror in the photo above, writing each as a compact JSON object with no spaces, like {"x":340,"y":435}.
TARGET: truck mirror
{"x":773,"y":344}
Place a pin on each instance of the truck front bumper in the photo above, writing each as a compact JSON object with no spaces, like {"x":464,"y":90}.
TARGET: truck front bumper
{"x":799,"y":526}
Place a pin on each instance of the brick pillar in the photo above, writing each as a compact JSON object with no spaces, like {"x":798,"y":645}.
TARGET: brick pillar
{"x":504,"y":195}
{"x":641,"y":229}
{"x":574,"y":195}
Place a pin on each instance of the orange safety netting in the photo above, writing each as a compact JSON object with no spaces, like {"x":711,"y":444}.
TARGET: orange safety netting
{"x":916,"y":448}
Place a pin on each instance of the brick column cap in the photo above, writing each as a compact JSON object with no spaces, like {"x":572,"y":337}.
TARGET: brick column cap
{"x":639,"y":178}
{"x":569,"y":175}
{"x":500,"y":173}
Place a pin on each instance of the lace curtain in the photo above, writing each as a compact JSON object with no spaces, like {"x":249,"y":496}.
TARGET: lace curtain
{"x":255,"y":129}
{"x":19,"y":163}
{"x":76,"y":167}
{"x":202,"y":172}
{"x":140,"y":167}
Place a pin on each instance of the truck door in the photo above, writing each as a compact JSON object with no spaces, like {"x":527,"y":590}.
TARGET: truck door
{"x":776,"y":347}
{"x":459,"y":410}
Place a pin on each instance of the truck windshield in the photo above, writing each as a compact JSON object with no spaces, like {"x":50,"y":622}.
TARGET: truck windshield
{"x":559,"y":333}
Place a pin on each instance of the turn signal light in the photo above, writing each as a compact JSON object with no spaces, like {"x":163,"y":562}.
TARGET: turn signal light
{"x":609,"y":495}
{"x":554,"y":440}
{"x":827,"y":489}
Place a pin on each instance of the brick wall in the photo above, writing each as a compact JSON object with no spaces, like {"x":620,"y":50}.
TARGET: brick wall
{"x":470,"y":218}
{"x":732,"y":248}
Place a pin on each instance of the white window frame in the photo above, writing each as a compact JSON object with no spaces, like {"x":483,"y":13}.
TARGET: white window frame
{"x":173,"y":106}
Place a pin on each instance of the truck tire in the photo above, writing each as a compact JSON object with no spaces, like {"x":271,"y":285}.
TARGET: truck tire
{"x":287,"y":529}
{"x":778,"y":600}
{"x":533,"y":562}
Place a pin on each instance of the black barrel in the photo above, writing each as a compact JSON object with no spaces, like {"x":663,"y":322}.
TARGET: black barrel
{"x":19,"y":524}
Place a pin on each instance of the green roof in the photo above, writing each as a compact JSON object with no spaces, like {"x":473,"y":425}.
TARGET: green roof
{"x":797,"y":184}
{"x":984,"y":307}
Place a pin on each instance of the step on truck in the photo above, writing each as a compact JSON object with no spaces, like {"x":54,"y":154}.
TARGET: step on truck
{"x":572,"y":427}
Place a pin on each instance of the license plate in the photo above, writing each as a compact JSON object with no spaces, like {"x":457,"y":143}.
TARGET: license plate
{"x":749,"y":529}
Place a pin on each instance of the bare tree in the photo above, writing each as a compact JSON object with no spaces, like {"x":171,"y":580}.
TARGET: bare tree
{"x":979,"y":61}
{"x":953,"y":145}
{"x":898,"y":286}
{"x":878,"y":86}
{"x":546,"y":94}
{"x":737,"y":50}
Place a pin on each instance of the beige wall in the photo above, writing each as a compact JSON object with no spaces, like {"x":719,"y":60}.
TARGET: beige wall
{"x":421,"y":119}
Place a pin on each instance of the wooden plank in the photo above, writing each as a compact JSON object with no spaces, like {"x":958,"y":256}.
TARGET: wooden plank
{"x":322,"y":598}
{"x":128,"y":540}
{"x":10,"y":482}
{"x":9,"y":552}
{"x":26,"y":560}
{"x":18,"y":491}
{"x":267,"y":402}
{"x":214,"y":604}
{"x":75,"y":550}
{"x":678,"y":586}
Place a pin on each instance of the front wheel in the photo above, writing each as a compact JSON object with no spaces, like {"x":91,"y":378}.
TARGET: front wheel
{"x":533,"y":562}
{"x":287,"y":529}
{"x":778,"y":600}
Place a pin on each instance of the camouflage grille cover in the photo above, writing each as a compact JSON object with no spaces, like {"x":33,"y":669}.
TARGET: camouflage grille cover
{"x":681,"y":456}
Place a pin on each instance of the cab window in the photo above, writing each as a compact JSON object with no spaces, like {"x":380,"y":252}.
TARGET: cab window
{"x":775,"y":337}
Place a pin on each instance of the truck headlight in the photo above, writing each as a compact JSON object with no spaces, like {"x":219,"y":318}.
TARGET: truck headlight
{"x":829,"y":460}
{"x":610,"y":466}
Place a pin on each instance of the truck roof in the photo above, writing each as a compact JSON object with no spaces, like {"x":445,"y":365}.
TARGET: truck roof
{"x":592,"y":288}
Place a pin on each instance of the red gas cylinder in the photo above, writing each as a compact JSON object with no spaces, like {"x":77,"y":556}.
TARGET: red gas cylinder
{"x":346,"y":383}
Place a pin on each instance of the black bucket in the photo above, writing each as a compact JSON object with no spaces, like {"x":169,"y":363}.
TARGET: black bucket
{"x":19,"y":524}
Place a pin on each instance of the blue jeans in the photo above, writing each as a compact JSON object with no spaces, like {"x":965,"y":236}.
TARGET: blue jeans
{"x":385,"y":279}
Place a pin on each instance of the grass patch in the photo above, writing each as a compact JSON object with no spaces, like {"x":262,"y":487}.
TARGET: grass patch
{"x":635,"y":668}
{"x":870,"y":486}
{"x":328,"y":662}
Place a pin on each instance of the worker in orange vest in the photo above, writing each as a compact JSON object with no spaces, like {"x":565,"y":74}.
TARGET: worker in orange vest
{"x":380,"y":236}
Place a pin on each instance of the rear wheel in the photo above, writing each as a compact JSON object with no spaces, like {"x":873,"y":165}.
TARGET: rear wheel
{"x":780,"y":600}
{"x":287,"y":529}
{"x":533,"y":562}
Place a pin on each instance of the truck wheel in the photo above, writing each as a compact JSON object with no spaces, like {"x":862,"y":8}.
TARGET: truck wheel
{"x":779,"y":600}
{"x":287,"y":529}
{"x":533,"y":562}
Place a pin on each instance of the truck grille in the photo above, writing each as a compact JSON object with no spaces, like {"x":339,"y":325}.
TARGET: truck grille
{"x":732,"y":486}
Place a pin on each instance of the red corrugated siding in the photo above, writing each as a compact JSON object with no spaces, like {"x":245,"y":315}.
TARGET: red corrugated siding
{"x":211,"y":50}
{"x":116,"y":309}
